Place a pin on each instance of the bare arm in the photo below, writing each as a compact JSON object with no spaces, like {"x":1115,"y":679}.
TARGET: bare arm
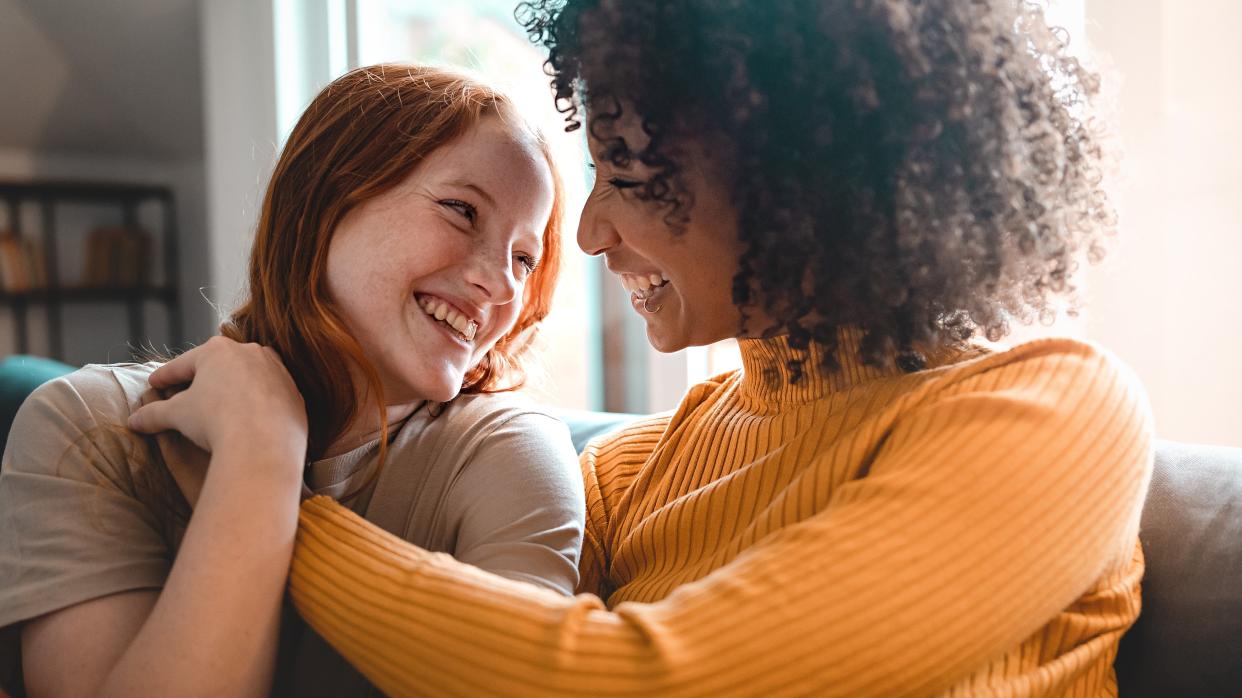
{"x":57,"y":659}
{"x":212,"y":630}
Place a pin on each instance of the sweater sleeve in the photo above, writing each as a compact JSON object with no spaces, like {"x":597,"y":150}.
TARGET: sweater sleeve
{"x":983,"y":514}
{"x":623,"y":453}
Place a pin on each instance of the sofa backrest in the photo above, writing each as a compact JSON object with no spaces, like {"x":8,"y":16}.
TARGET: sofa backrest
{"x":19,"y":376}
{"x":1188,"y":640}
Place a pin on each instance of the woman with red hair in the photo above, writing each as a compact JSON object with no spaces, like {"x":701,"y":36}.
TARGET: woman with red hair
{"x":406,"y":251}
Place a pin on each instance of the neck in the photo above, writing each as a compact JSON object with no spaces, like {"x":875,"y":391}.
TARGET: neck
{"x":769,"y":374}
{"x":366,"y":426}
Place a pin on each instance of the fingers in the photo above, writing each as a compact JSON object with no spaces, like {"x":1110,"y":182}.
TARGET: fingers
{"x":179,"y":371}
{"x":153,"y":417}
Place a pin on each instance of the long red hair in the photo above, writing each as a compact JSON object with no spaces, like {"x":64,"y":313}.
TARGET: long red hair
{"x":361,"y":136}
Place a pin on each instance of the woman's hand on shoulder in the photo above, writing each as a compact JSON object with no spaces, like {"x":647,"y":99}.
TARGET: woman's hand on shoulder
{"x":229,"y":395}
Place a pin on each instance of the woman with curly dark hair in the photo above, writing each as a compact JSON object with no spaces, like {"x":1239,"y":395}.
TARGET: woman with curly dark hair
{"x":876,"y":504}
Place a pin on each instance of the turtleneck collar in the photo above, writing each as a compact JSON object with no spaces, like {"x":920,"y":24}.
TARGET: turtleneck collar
{"x":766,"y":368}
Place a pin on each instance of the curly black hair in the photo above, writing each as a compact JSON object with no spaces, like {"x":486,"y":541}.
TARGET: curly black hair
{"x":925,"y":170}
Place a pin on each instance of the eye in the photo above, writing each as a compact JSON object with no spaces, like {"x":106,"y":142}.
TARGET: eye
{"x":467,"y":211}
{"x":618,"y":183}
{"x":529,"y":263}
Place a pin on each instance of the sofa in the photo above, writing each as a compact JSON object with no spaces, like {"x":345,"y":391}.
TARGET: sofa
{"x":1188,"y":640}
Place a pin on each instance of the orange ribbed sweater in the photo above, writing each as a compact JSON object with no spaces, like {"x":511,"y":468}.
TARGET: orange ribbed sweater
{"x":969,"y":529}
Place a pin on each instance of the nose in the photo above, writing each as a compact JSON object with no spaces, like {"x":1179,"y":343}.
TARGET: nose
{"x":490,"y":272}
{"x":596,"y":233}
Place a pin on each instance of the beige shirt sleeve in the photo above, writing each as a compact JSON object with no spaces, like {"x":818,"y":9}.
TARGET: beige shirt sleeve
{"x":518,"y":505}
{"x":73,"y":523}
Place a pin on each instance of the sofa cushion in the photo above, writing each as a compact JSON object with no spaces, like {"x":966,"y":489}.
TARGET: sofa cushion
{"x":19,"y":376}
{"x":1188,"y":640}
{"x":585,"y":425}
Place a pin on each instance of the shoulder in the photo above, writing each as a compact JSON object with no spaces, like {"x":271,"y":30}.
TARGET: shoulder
{"x":79,"y":404}
{"x":74,"y":428}
{"x":107,"y":391}
{"x":1052,"y":404}
{"x":475,"y":417}
{"x":508,"y":446}
{"x":506,"y":437}
{"x":1050,"y":371}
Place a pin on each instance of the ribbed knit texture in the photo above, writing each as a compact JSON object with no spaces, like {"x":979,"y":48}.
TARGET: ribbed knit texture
{"x":969,"y":529}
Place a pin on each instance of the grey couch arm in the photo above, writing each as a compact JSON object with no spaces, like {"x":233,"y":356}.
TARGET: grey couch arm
{"x":1188,"y":640}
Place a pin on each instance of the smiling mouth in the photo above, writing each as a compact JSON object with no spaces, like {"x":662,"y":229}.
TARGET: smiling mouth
{"x":642,"y":288}
{"x":645,"y":290}
{"x":461,"y":326}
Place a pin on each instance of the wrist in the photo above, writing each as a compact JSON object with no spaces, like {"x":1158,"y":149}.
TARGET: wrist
{"x":280,"y":462}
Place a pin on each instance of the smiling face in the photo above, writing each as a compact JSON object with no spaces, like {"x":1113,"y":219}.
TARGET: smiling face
{"x":430,"y":274}
{"x":680,"y":282}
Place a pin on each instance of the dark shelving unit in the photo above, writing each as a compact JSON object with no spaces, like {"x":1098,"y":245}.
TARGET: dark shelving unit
{"x":48,"y":195}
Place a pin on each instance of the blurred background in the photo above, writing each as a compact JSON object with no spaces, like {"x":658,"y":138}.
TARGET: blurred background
{"x":136,"y":137}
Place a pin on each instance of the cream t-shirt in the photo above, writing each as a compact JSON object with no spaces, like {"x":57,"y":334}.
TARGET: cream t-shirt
{"x":88,"y":508}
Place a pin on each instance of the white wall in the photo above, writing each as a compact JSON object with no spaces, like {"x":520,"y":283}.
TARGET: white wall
{"x":239,"y":98}
{"x":1169,"y":301}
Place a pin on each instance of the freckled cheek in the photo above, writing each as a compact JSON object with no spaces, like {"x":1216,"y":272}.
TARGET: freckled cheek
{"x":502,"y":323}
{"x":382,"y":287}
{"x":504,"y":320}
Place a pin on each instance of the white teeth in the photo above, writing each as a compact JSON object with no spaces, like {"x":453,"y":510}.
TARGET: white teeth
{"x":458,"y":322}
{"x":642,"y":284}
{"x":441,"y":311}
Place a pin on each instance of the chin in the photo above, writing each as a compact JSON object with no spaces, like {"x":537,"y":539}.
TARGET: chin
{"x":665,"y":344}
{"x":435,"y":390}
{"x":443,"y":393}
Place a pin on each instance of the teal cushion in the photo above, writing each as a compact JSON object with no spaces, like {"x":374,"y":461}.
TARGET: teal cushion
{"x":585,"y":425}
{"x":19,"y":376}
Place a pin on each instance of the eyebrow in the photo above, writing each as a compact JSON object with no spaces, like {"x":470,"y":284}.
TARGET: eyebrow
{"x":538,"y":236}
{"x":474,"y":188}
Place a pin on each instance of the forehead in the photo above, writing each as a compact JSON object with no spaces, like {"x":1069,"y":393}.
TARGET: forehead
{"x":492,"y":146}
{"x":504,"y":159}
{"x":627,"y":126}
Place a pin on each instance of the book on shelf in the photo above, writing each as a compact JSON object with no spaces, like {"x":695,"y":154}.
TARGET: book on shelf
{"x":22,"y":264}
{"x":117,"y":257}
